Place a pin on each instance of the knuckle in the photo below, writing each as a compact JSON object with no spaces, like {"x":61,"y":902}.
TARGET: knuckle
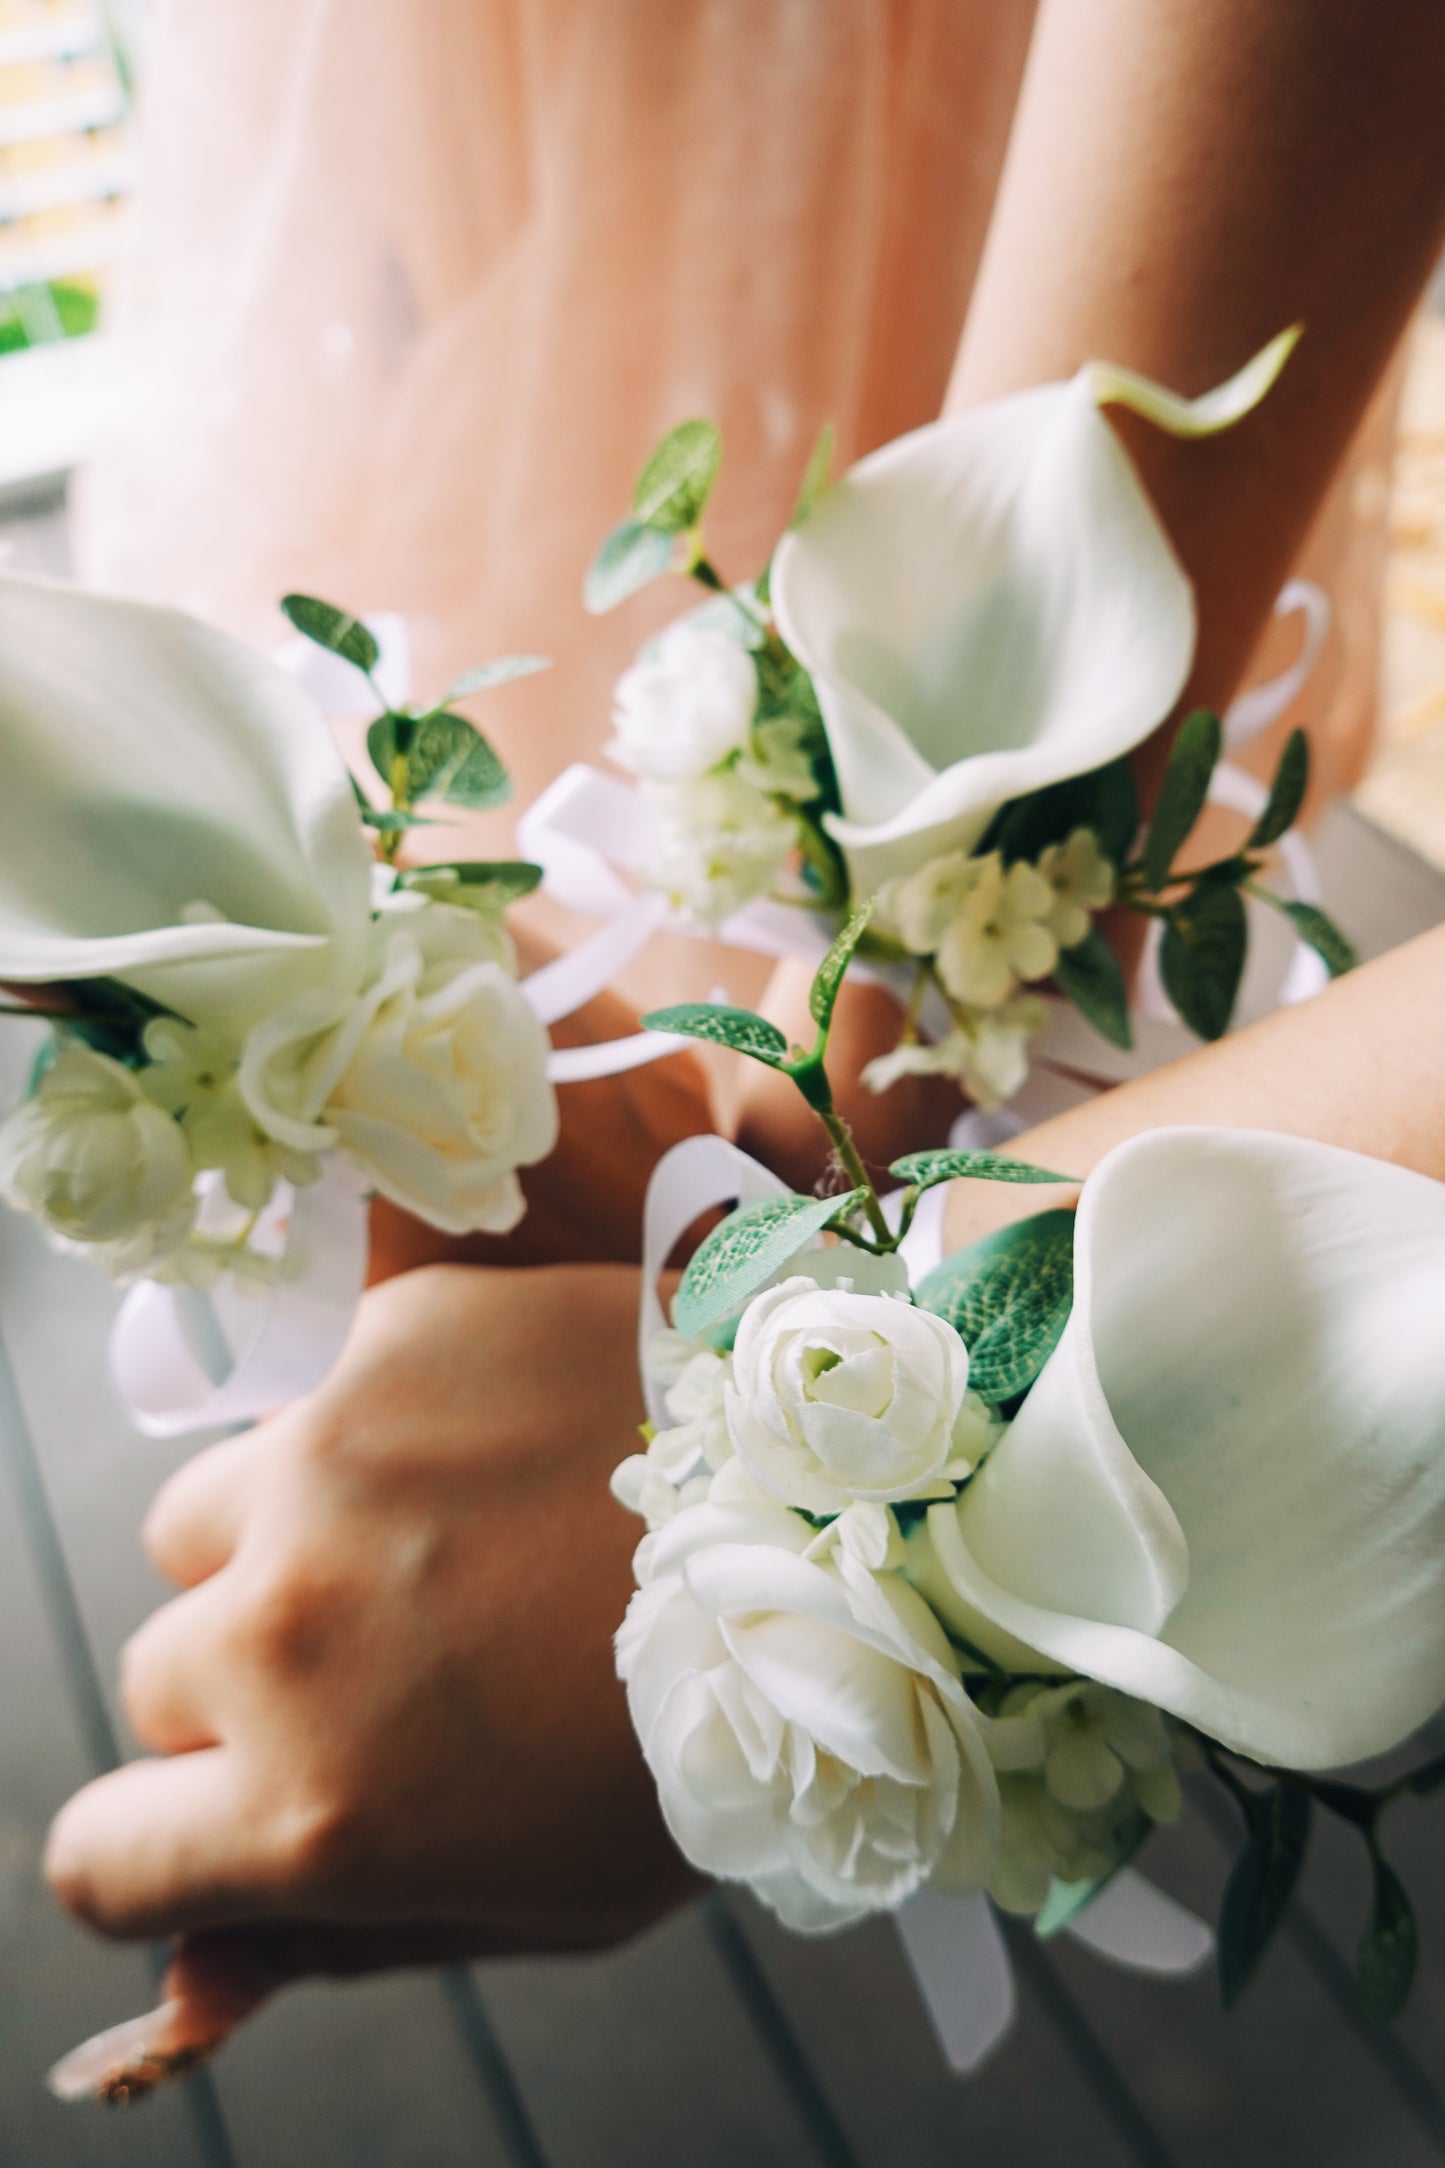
{"x":317,"y":1841}
{"x":280,"y":1621}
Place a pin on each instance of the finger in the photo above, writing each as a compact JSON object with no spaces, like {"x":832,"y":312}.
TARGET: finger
{"x":195,"y":1520}
{"x":168,"y":1682}
{"x":159,"y":1846}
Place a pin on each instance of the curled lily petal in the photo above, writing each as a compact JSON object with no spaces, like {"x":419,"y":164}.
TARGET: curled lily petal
{"x":989,"y":606}
{"x":1226,"y":1495}
{"x":174,"y":814}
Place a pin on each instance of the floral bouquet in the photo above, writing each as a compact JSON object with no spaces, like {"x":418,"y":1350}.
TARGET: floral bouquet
{"x":947,"y":1579}
{"x":929,"y":696}
{"x":246,"y":991}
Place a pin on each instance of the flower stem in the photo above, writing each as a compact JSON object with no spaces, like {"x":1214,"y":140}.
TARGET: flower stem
{"x":853,"y":1167}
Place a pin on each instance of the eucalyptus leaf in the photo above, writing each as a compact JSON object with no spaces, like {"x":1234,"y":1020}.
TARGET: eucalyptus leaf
{"x":673,"y":488}
{"x":823,"y":993}
{"x":816,"y":474}
{"x":1262,"y":1882}
{"x":924,"y":1170}
{"x":1008,"y":1297}
{"x":499,"y":672}
{"x":446,"y":756}
{"x":480,"y":782}
{"x":393,"y":823}
{"x":631,"y":558}
{"x":1104,"y":801}
{"x":743,"y":1254}
{"x":1089,"y":975}
{"x":337,"y":630}
{"x":509,"y":878}
{"x":1390,"y":1952}
{"x":1286,"y":792}
{"x":1201,"y":958}
{"x":1193,"y":758}
{"x":720,"y":1026}
{"x":1337,"y":953}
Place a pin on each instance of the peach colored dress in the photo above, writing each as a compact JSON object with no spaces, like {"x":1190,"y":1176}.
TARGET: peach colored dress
{"x":417,"y":284}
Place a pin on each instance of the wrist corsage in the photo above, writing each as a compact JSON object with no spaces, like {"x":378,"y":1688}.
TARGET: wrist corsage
{"x":949,"y":1579}
{"x":929,"y":696}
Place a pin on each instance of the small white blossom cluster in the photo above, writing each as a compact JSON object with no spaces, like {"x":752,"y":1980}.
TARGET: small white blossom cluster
{"x":722,"y":785}
{"x":988,"y":929}
{"x":431,"y":1077}
{"x":813,"y":1729}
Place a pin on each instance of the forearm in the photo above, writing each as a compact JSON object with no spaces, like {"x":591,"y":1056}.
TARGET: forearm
{"x":1186,"y":177}
{"x":1361,"y":1066}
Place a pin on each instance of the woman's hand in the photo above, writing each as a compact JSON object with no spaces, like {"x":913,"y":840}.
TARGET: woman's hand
{"x":384,"y":1712}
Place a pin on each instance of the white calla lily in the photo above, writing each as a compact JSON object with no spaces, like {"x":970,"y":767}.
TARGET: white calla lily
{"x":172,"y":800}
{"x":1225,"y":1494}
{"x":990,"y":605}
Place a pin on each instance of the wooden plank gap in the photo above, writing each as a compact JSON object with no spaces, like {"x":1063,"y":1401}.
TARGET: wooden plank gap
{"x":102,"y":1748}
{"x":494,"y":2072}
{"x":779,"y":2041}
{"x":1094,"y":2063}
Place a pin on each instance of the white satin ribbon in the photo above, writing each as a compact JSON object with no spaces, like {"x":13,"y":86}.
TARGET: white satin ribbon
{"x":281,"y":1342}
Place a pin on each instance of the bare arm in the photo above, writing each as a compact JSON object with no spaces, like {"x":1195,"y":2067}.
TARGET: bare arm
{"x":1184,"y":178}
{"x":1361,"y":1066}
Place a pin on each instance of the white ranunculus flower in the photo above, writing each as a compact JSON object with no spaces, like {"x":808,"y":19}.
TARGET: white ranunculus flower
{"x":1225,"y":1494}
{"x":837,"y":1396}
{"x":175,"y":814}
{"x":717,"y":843}
{"x":685,"y":704}
{"x":95,"y":1161}
{"x":991,"y":605}
{"x":803,"y":1720}
{"x":433,"y":1078}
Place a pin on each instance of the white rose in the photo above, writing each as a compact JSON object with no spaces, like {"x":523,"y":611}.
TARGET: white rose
{"x":92,"y":1158}
{"x":990,"y":605}
{"x":718,"y":842}
{"x":685,"y":704}
{"x":433,"y":1079}
{"x":837,"y":1396}
{"x":804,"y":1721}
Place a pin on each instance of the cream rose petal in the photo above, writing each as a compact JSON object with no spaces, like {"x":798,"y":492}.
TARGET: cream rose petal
{"x":1226,"y":1493}
{"x":153,"y":766}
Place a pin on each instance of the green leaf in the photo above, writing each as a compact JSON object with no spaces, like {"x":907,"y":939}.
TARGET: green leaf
{"x":488,"y":674}
{"x":1008,"y":1298}
{"x":481,"y":781}
{"x":816,"y":474}
{"x":823,"y":993}
{"x":737,"y":1028}
{"x":1390,"y":1951}
{"x":1262,"y":1882}
{"x":923,"y":1170}
{"x":742,"y":1255}
{"x":1201,"y":958}
{"x":1105,"y":801}
{"x":1192,"y":760}
{"x":331,"y":628}
{"x":1089,"y":975}
{"x":509,"y":877}
{"x":446,"y":757}
{"x":1286,"y":793}
{"x":1324,"y":937}
{"x":630,"y":558}
{"x":673,"y":488}
{"x":391,"y":823}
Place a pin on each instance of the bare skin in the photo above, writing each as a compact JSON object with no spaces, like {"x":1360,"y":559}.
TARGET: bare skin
{"x":1185,"y":178}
